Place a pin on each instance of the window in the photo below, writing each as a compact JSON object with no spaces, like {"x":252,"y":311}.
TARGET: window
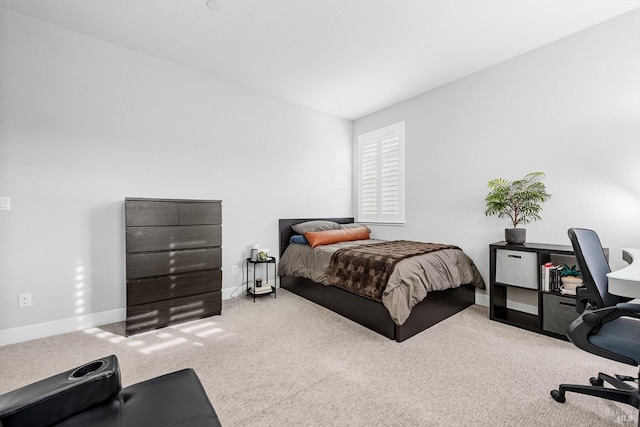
{"x":380,"y":175}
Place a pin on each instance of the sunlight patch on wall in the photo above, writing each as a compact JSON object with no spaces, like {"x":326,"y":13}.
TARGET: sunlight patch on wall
{"x":80,"y":288}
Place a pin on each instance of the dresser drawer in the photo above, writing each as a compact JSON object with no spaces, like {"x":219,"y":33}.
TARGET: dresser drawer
{"x":151,"y":289}
{"x":155,"y":315}
{"x":148,"y":239}
{"x":143,"y":212}
{"x":200,"y":213}
{"x":518,"y":268}
{"x":147,"y":264}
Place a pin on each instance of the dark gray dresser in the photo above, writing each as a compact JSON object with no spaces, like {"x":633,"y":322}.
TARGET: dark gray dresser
{"x":173,"y":261}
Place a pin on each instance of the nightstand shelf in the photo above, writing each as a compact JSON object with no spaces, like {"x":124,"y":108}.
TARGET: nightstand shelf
{"x":257,"y":291}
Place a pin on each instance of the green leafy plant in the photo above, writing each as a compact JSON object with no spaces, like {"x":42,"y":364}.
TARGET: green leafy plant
{"x":262,"y":256}
{"x":517,"y":200}
{"x":569,"y":271}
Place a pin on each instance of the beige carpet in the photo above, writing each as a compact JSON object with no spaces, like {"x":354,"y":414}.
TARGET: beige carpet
{"x":289,"y":362}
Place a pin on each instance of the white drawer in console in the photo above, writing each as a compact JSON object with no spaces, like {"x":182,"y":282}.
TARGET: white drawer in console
{"x":517,"y":268}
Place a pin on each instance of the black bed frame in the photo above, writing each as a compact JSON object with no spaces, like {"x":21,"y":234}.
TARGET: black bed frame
{"x":436,"y":307}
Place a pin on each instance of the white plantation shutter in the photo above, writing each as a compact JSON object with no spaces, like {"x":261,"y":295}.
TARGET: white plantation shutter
{"x":369,"y":179}
{"x":381,"y":175}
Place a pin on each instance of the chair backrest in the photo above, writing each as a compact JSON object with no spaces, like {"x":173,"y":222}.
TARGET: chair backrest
{"x":593,"y":266}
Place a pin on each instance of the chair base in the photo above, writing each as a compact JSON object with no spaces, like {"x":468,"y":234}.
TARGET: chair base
{"x":623,"y":392}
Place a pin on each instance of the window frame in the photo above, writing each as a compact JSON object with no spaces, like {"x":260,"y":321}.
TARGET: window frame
{"x":379,"y":138}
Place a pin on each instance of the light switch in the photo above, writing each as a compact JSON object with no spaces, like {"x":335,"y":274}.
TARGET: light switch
{"x":5,"y":203}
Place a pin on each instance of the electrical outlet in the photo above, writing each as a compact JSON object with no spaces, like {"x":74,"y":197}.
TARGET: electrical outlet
{"x":234,"y":269}
{"x":5,"y":203}
{"x":24,"y":300}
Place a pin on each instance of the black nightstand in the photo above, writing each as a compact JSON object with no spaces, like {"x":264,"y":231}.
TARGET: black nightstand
{"x":269,"y":261}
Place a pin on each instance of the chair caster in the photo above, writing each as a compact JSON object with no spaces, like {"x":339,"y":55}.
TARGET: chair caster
{"x":557,"y":396}
{"x":596,"y":382}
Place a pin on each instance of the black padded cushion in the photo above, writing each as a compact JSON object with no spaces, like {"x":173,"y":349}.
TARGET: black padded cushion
{"x":96,"y":400}
{"x":53,"y":399}
{"x":619,"y":336}
{"x":177,"y":398}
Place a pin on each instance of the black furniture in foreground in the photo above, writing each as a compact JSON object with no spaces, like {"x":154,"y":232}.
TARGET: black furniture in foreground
{"x":607,"y":327}
{"x":92,"y":395}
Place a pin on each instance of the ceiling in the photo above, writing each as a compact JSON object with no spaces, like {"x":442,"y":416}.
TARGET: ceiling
{"x":347,"y":58}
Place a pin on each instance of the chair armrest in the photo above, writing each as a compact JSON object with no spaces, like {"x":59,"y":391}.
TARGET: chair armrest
{"x":627,"y":306}
{"x":58,"y":397}
{"x":594,"y":318}
{"x":582,"y":299}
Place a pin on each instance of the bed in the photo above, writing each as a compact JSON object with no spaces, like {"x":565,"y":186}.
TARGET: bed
{"x":437,"y":306}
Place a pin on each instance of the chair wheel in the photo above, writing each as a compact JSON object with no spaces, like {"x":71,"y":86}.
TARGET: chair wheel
{"x":558,"y":397}
{"x":596,"y":382}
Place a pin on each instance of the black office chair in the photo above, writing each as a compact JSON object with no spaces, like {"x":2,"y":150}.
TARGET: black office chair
{"x":607,"y":327}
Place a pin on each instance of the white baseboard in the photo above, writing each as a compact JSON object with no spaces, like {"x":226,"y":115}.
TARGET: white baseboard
{"x":62,"y":326}
{"x":227,"y":293}
{"x":482,"y":299}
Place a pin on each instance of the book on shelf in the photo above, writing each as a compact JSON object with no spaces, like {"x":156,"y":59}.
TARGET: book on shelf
{"x":550,"y":277}
{"x":545,"y":270}
{"x":555,"y":278}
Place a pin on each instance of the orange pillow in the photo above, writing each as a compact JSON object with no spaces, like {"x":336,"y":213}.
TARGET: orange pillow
{"x":327,"y":237}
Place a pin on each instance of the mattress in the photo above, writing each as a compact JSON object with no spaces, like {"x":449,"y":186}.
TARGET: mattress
{"x":409,"y":282}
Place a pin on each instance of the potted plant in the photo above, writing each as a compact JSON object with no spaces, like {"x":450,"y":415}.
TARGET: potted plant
{"x":517,"y":200}
{"x":571,"y":279}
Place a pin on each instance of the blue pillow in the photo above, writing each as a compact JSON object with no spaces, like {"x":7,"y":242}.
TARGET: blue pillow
{"x":299,"y":239}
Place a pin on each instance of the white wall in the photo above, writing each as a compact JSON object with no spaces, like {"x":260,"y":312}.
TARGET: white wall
{"x":570,"y":109}
{"x":84,"y":124}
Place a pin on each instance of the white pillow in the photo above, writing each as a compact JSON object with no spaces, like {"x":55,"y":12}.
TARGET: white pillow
{"x":317,"y":225}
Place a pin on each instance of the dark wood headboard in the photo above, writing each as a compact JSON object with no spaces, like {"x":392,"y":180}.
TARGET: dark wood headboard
{"x":285,"y":231}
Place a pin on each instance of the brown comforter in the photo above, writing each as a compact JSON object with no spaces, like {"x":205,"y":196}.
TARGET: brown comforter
{"x":409,"y":282}
{"x":365,"y":269}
